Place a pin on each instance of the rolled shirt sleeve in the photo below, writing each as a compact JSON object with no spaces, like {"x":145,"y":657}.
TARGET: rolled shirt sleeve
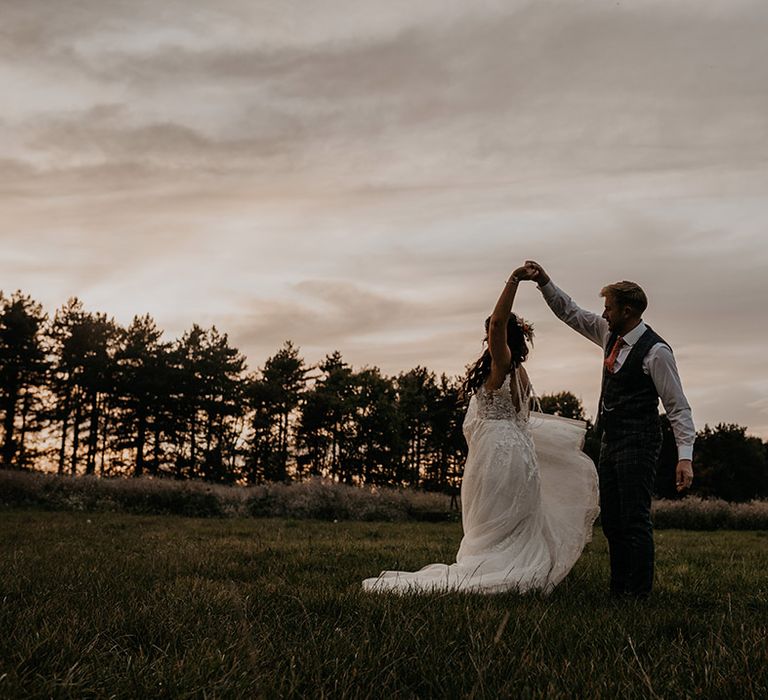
{"x":659,"y":364}
{"x":662,"y":368}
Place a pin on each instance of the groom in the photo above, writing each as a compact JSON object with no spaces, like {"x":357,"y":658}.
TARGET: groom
{"x":638,"y":369}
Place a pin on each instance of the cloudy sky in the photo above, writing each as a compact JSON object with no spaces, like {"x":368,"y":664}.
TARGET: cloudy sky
{"x":363,"y":175}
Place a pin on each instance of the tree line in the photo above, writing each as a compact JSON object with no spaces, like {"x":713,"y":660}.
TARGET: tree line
{"x":81,"y":394}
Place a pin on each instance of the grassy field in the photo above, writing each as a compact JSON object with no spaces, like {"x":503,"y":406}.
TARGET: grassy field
{"x":105,"y":604}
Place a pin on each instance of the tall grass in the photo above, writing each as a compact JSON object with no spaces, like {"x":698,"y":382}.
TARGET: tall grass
{"x":693,"y":513}
{"x":126,"y":606}
{"x":315,"y":499}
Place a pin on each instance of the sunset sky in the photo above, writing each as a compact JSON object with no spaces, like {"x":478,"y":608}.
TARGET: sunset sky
{"x":363,"y":175}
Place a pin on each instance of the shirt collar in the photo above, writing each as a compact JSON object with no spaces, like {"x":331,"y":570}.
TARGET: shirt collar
{"x":634,"y":335}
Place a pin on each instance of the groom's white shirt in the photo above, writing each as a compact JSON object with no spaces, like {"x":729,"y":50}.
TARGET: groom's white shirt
{"x":659,"y":363}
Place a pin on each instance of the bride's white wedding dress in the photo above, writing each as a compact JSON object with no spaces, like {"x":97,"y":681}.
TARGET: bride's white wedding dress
{"x":529,"y":499}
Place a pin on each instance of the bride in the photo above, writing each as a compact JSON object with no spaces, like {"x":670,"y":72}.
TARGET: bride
{"x":529,"y":494}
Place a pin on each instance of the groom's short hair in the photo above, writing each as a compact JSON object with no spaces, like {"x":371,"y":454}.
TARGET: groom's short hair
{"x":626,"y":294}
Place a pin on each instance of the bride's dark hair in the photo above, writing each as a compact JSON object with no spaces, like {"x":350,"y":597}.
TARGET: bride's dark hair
{"x":518,"y":332}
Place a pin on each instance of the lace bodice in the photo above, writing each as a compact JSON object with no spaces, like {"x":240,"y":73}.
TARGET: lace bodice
{"x":497,"y":404}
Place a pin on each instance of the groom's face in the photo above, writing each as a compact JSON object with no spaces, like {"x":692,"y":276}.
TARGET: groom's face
{"x":617,"y":316}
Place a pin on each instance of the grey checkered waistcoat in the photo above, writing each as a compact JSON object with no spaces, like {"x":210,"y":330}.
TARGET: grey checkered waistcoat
{"x":628,"y":400}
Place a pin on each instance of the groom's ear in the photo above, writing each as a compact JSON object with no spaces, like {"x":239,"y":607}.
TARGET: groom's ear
{"x":629,"y":312}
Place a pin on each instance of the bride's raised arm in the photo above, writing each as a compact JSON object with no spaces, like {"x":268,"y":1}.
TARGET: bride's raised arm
{"x":501,"y":356}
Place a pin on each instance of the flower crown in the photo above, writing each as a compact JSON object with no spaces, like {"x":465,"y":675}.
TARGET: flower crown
{"x":526,"y":327}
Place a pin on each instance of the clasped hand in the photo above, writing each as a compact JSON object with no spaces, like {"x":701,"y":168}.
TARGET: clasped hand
{"x":531,"y":270}
{"x":525,"y":272}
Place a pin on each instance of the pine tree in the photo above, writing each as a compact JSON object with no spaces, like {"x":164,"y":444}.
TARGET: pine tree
{"x":274,"y":395}
{"x":376,"y":431}
{"x":23,"y":367}
{"x":448,"y":446}
{"x":208,"y":395}
{"x":138,"y":388}
{"x":417,"y":395}
{"x":68,"y":352}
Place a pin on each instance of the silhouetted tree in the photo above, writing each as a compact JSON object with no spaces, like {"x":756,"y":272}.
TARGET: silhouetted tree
{"x":274,"y":396}
{"x":376,"y":447}
{"x":23,"y":368}
{"x":325,"y":430}
{"x":223,"y":406}
{"x":83,"y":346}
{"x":417,"y":397}
{"x":448,"y":447}
{"x":729,"y":464}
{"x":313,"y":433}
{"x":139,"y":387}
{"x":97,"y":379}
{"x":208,"y":396}
{"x":563,"y":404}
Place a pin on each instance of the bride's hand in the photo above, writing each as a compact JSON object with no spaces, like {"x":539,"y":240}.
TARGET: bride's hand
{"x":536,"y":273}
{"x":522,"y":273}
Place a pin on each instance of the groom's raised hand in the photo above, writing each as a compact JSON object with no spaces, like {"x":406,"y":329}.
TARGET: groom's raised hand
{"x":536,"y":273}
{"x":522,"y":273}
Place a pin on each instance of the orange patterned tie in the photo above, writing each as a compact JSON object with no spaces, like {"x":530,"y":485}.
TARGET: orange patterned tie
{"x":610,"y":361}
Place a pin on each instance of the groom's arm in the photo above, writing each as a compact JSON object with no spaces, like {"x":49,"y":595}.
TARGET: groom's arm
{"x":662,"y":369}
{"x":591,"y":325}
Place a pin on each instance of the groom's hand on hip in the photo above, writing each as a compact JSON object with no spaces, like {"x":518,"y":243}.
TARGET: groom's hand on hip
{"x":684,"y":474}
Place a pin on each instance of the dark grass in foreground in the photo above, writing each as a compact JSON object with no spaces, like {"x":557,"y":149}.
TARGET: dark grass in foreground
{"x":147,"y":606}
